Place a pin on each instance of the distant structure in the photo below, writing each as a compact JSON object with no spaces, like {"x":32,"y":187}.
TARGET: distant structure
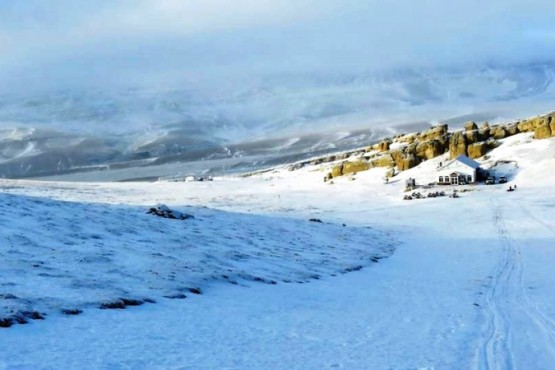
{"x":410,"y":183}
{"x":459,"y":171}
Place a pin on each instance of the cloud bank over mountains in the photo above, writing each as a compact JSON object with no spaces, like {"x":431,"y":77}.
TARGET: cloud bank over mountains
{"x":161,"y":43}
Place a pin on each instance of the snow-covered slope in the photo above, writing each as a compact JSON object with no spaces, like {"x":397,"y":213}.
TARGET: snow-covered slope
{"x":60,"y":255}
{"x":468,"y":286}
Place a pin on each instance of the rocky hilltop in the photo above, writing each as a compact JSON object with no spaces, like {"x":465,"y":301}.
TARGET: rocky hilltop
{"x":405,"y":151}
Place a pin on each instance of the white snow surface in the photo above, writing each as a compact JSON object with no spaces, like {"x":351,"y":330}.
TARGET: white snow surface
{"x":469,"y":283}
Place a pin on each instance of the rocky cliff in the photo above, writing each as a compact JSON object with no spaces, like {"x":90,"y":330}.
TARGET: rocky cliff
{"x":403,"y":152}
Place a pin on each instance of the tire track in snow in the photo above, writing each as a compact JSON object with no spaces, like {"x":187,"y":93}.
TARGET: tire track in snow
{"x":506,"y":295}
{"x":495,"y":352}
{"x":543,"y":321}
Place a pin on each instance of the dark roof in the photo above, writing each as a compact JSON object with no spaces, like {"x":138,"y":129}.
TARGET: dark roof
{"x":467,"y":161}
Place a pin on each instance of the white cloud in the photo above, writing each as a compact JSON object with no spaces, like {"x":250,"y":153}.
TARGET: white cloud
{"x":193,"y":16}
{"x":64,"y":41}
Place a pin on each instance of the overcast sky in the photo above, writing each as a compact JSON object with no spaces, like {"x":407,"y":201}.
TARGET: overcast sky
{"x":57,"y":43}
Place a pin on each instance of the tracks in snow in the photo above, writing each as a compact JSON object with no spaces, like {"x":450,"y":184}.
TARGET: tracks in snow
{"x":507,"y":301}
{"x":495,"y":352}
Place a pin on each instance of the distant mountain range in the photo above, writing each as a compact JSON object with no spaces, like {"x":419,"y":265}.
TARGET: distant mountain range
{"x":252,"y":124}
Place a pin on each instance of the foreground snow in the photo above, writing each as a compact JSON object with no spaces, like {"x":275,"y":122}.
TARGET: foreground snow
{"x":469,"y":284}
{"x":68,"y":256}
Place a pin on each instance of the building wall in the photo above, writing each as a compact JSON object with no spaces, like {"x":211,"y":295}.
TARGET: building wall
{"x":458,"y":167}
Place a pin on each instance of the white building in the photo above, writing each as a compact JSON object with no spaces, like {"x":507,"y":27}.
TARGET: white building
{"x":461,"y":170}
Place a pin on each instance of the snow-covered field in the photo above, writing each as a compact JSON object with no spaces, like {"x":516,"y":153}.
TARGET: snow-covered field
{"x":67,"y":256}
{"x":469,"y":283}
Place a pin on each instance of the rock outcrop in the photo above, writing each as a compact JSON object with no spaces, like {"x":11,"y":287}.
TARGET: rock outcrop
{"x":498,"y":132}
{"x":434,"y":133}
{"x":457,"y":145}
{"x":543,"y":131}
{"x":430,"y":149}
{"x":383,"y":161}
{"x":354,"y":167}
{"x":472,"y":136}
{"x":512,"y":129}
{"x":477,"y":150}
{"x":408,"y":162}
{"x":473,"y":141}
{"x":337,"y":171}
{"x":469,"y":126}
{"x":383,"y":145}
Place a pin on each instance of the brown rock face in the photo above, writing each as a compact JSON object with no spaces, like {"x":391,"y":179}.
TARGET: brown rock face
{"x":512,"y":129}
{"x":398,"y":157}
{"x":471,"y":136}
{"x":543,"y":131}
{"x":337,"y":171}
{"x":434,"y":133}
{"x":484,"y":134}
{"x":383,"y":146}
{"x":430,"y":149}
{"x":530,"y":125}
{"x":525,"y":126}
{"x":457,"y":145}
{"x":384,"y":161}
{"x":477,"y":150}
{"x":404,"y":160}
{"x":469,"y":126}
{"x":444,"y":142}
{"x":407,"y":162}
{"x":485,"y":126}
{"x":352,"y":167}
{"x":411,"y":149}
{"x":408,"y":138}
{"x":498,"y":132}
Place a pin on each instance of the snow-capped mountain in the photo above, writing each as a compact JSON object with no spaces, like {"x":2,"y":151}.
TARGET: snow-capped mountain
{"x":292,"y":116}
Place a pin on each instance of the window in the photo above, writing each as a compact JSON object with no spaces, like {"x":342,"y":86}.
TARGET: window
{"x":469,"y":179}
{"x":441,"y":179}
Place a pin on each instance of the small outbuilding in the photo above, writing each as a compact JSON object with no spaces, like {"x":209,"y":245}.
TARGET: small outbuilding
{"x":459,"y":171}
{"x":410,"y":183}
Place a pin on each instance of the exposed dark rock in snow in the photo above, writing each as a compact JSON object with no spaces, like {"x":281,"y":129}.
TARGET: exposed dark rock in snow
{"x":164,"y":211}
{"x":71,"y":311}
{"x":176,"y":296}
{"x":6,"y":323}
{"x":120,"y":304}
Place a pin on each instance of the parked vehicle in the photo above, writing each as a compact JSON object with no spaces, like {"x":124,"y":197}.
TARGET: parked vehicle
{"x":502,"y":179}
{"x":490,"y":180}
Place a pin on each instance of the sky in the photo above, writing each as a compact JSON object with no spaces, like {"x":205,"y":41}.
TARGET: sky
{"x":156,"y":43}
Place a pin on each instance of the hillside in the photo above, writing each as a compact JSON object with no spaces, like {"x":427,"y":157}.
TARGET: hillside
{"x":468,"y":284}
{"x":62,"y":257}
{"x":405,"y":151}
{"x":114,"y":134}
